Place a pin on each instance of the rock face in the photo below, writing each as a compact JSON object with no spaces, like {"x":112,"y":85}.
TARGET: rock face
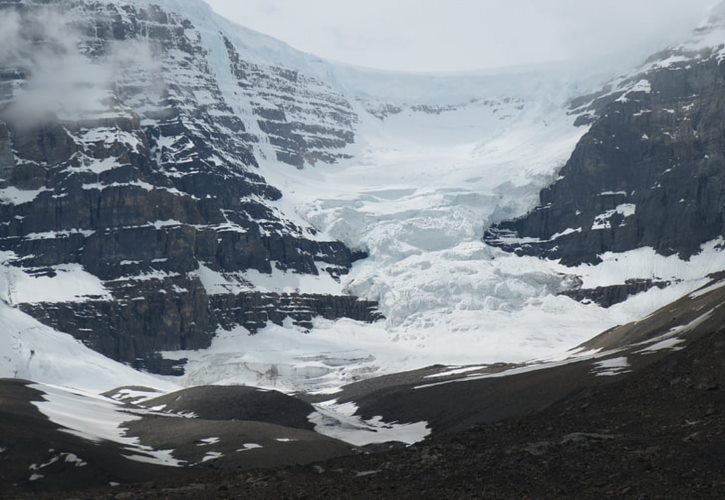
{"x":305,"y":120}
{"x":7,"y":159}
{"x":254,"y":310}
{"x":149,"y":174}
{"x":649,"y":173}
{"x":607,"y":296}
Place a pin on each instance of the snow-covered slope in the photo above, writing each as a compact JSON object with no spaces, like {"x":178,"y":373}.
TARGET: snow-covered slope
{"x":32,"y":351}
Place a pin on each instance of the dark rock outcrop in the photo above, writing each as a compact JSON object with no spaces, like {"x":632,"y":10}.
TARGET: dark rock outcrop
{"x":649,"y":173}
{"x":607,"y":296}
{"x":305,"y":120}
{"x":254,"y":310}
{"x":144,"y":318}
{"x":157,"y":179}
{"x":7,"y":159}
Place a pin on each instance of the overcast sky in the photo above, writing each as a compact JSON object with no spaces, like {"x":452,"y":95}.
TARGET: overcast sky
{"x":458,"y":35}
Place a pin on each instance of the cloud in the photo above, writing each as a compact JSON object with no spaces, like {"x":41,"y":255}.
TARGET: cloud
{"x":9,"y":36}
{"x":453,"y":35}
{"x":62,"y":80}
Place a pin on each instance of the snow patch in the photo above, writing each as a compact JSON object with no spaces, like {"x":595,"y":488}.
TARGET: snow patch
{"x":278,"y":281}
{"x":338,"y":421}
{"x":457,"y":371}
{"x":642,"y":86}
{"x":95,"y":419}
{"x":249,"y":446}
{"x":212,"y":455}
{"x":611,"y":367}
{"x":602,"y":221}
{"x":667,"y":344}
{"x":15,"y":196}
{"x":566,"y":232}
{"x":70,"y":283}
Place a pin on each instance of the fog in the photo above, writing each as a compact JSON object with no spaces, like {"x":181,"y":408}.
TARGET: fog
{"x":62,"y":81}
{"x":459,"y":35}
{"x":404,"y":35}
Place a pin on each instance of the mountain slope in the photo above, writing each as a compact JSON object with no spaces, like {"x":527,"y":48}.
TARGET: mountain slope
{"x":152,"y":182}
{"x":654,"y":428}
{"x":165,"y":173}
{"x":213,"y":183}
{"x":54,"y":440}
{"x":30,"y":350}
{"x":649,"y":171}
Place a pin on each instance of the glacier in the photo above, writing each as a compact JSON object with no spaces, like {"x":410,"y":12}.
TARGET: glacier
{"x":437,"y":158}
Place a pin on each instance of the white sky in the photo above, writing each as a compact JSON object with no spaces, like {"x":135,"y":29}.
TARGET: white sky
{"x":458,"y":35}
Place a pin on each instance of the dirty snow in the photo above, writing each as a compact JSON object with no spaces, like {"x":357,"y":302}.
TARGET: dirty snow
{"x":339,"y":421}
{"x":97,"y":419}
{"x":611,"y":367}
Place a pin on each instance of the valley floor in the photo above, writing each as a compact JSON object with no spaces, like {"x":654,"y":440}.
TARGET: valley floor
{"x":660,"y":434}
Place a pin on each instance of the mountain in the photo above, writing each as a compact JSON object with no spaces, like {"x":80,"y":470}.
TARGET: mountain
{"x":220,"y":253}
{"x":174,"y":182}
{"x":648,"y":173}
{"x":130,"y":192}
{"x":168,"y":176}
